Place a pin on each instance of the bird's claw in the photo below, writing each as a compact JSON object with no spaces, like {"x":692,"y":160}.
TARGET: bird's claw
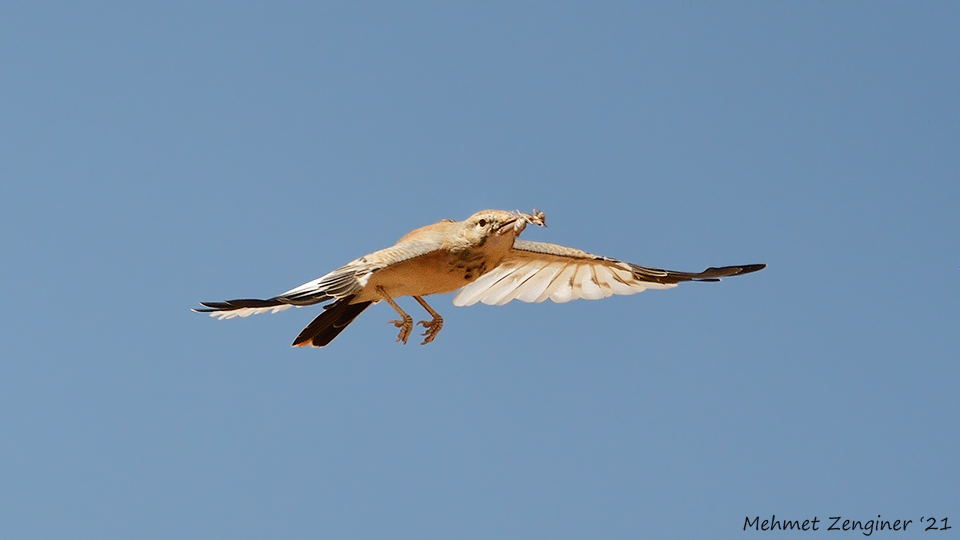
{"x":405,"y":326}
{"x":432,"y":329}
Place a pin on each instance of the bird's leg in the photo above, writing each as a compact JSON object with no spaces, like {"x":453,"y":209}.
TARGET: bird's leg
{"x":433,"y":326}
{"x":406,"y":324}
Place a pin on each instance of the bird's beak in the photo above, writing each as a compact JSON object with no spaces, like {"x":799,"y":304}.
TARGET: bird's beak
{"x":511,"y":224}
{"x":520,"y":220}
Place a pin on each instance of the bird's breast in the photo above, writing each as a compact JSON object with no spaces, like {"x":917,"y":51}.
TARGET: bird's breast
{"x":434,"y":273}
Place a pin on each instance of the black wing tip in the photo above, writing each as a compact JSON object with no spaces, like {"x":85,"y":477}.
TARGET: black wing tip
{"x":714,"y":274}
{"x":750,"y":268}
{"x":303,"y":300}
{"x":239,"y":303}
{"x":210,"y":307}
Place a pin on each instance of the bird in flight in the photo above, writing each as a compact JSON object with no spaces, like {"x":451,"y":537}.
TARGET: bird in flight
{"x":482,"y":257}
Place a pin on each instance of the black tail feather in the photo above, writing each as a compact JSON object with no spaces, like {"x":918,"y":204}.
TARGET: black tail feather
{"x":330,"y":323}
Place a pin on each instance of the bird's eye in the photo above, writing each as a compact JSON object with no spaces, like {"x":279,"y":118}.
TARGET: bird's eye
{"x":482,"y":223}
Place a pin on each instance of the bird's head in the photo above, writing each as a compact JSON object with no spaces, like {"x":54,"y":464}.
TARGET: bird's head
{"x":499,"y":223}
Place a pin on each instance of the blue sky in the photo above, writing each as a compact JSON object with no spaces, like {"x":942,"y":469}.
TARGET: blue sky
{"x":156,"y":156}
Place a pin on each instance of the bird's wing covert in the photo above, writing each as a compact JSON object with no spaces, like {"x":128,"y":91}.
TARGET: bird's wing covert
{"x":350,"y":278}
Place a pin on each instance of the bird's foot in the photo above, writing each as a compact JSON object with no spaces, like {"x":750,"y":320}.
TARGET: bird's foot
{"x":405,"y":326}
{"x":432,"y":329}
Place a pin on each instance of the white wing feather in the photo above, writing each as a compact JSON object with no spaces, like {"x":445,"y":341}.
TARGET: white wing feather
{"x":560,"y":274}
{"x":246,"y":312}
{"x":536,"y":285}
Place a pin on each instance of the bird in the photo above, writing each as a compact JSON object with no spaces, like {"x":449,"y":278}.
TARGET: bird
{"x":482,"y":257}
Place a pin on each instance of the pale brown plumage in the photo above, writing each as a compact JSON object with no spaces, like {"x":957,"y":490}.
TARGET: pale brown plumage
{"x":482,"y":257}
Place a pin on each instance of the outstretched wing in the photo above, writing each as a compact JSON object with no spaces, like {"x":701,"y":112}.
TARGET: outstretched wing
{"x":344,"y":282}
{"x":535,"y":271}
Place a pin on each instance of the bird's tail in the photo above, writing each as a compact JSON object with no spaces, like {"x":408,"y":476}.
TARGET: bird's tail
{"x":330,"y":323}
